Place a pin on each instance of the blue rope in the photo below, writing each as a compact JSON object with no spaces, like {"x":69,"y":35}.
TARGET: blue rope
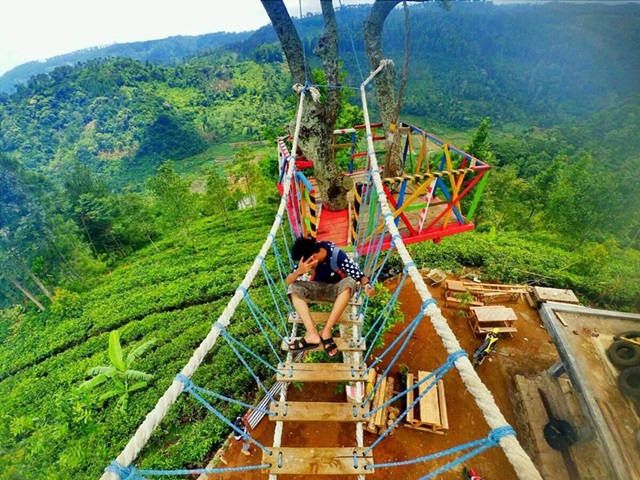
{"x":255,"y":310}
{"x":132,"y":473}
{"x":193,"y":386}
{"x":230,"y":338}
{"x":244,"y":362}
{"x":282,"y":269}
{"x":479,"y":446}
{"x":386,"y":311}
{"x":286,"y":243}
{"x":189,"y":387}
{"x":203,"y":471}
{"x":407,"y":332}
{"x":271,"y":283}
{"x":439,"y":373}
{"x":378,"y":238}
{"x":124,"y":473}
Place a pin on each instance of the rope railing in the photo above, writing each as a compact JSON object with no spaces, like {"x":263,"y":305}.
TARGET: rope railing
{"x":153,"y":419}
{"x":524,"y":467}
{"x":380,"y":222}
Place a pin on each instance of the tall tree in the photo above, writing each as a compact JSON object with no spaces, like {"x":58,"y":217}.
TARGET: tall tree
{"x":319,"y":120}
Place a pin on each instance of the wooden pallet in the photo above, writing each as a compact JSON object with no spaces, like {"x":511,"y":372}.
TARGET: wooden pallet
{"x":430,"y":414}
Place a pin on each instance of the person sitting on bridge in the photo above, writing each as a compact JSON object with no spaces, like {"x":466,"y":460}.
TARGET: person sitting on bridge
{"x":323,"y":273}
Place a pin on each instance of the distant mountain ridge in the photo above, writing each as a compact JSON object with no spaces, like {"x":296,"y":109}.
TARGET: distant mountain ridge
{"x":165,"y":51}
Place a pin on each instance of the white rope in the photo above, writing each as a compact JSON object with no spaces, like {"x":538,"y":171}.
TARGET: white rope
{"x":153,"y":419}
{"x":524,"y":467}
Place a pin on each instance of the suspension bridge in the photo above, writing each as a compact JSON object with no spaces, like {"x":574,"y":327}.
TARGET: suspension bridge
{"x":378,"y":225}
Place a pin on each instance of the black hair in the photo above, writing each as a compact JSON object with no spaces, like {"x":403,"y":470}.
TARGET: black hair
{"x":304,"y":247}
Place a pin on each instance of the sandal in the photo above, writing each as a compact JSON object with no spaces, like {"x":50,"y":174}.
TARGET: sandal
{"x":301,"y":345}
{"x":330,"y":346}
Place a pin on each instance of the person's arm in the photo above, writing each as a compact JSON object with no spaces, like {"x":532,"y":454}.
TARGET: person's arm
{"x":350,"y":268}
{"x":303,"y":267}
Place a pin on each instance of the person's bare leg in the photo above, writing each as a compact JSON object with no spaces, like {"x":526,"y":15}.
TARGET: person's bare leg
{"x":302,"y":308}
{"x":338,"y":309}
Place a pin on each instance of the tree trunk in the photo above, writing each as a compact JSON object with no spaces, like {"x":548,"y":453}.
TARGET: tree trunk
{"x":318,"y":121}
{"x":26,"y":292}
{"x":372,"y":31}
{"x":32,"y":275}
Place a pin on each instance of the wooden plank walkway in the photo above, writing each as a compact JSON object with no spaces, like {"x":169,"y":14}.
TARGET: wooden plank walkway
{"x":316,"y":461}
{"x":318,"y":412}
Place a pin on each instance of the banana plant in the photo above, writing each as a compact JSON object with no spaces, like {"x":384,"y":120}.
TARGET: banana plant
{"x":121,"y":379}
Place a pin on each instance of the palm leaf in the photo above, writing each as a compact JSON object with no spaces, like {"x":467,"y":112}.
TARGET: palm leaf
{"x":137,"y":375}
{"x":138,"y":351}
{"x":106,"y":371}
{"x":94,"y":382}
{"x":110,"y":394}
{"x":115,"y":351}
{"x":137,"y":386}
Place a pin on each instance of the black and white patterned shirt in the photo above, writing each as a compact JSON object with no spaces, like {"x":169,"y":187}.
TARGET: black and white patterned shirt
{"x":325,"y":274}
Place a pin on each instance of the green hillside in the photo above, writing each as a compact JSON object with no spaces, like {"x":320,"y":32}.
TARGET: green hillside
{"x":169,"y":292}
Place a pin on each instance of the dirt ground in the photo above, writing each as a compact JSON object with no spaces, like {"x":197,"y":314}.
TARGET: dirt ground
{"x":529,"y":352}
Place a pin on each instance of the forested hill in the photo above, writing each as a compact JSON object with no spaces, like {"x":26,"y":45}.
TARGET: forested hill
{"x":165,"y":51}
{"x":559,"y":83}
{"x":532,"y":65}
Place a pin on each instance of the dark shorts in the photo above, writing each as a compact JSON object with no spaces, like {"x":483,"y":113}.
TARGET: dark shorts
{"x":321,"y":292}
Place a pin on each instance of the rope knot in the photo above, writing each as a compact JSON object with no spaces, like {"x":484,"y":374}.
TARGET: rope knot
{"x":427,"y":302}
{"x":243,"y":290}
{"x":499,"y":433}
{"x":451,"y":359}
{"x":125,"y":473}
{"x":188,"y":384}
{"x":408,"y":266}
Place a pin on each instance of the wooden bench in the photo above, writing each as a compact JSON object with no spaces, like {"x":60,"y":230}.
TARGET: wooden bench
{"x":448,"y":301}
{"x":485,"y":319}
{"x":430,"y":414}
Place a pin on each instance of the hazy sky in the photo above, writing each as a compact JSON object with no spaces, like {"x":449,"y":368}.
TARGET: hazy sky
{"x":39,"y":29}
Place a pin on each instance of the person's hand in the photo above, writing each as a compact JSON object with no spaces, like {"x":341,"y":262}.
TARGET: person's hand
{"x":369,"y":290}
{"x":304,"y":266}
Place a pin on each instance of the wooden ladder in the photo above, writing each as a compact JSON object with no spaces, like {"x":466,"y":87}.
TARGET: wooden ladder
{"x":310,"y":459}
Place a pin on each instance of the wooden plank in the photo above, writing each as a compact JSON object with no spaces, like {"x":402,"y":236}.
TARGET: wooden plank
{"x":410,"y":383}
{"x":562,"y":320}
{"x":543,"y":294}
{"x":631,"y":463}
{"x":442,"y":403}
{"x":316,"y":461}
{"x":500,"y":329}
{"x":321,"y":317}
{"x":382,"y":388}
{"x":429,"y":411}
{"x":343,"y":345}
{"x":388,"y":395}
{"x":458,"y":302}
{"x":497,"y":313}
{"x":319,"y":372}
{"x":318,"y":412}
{"x":549,"y":461}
